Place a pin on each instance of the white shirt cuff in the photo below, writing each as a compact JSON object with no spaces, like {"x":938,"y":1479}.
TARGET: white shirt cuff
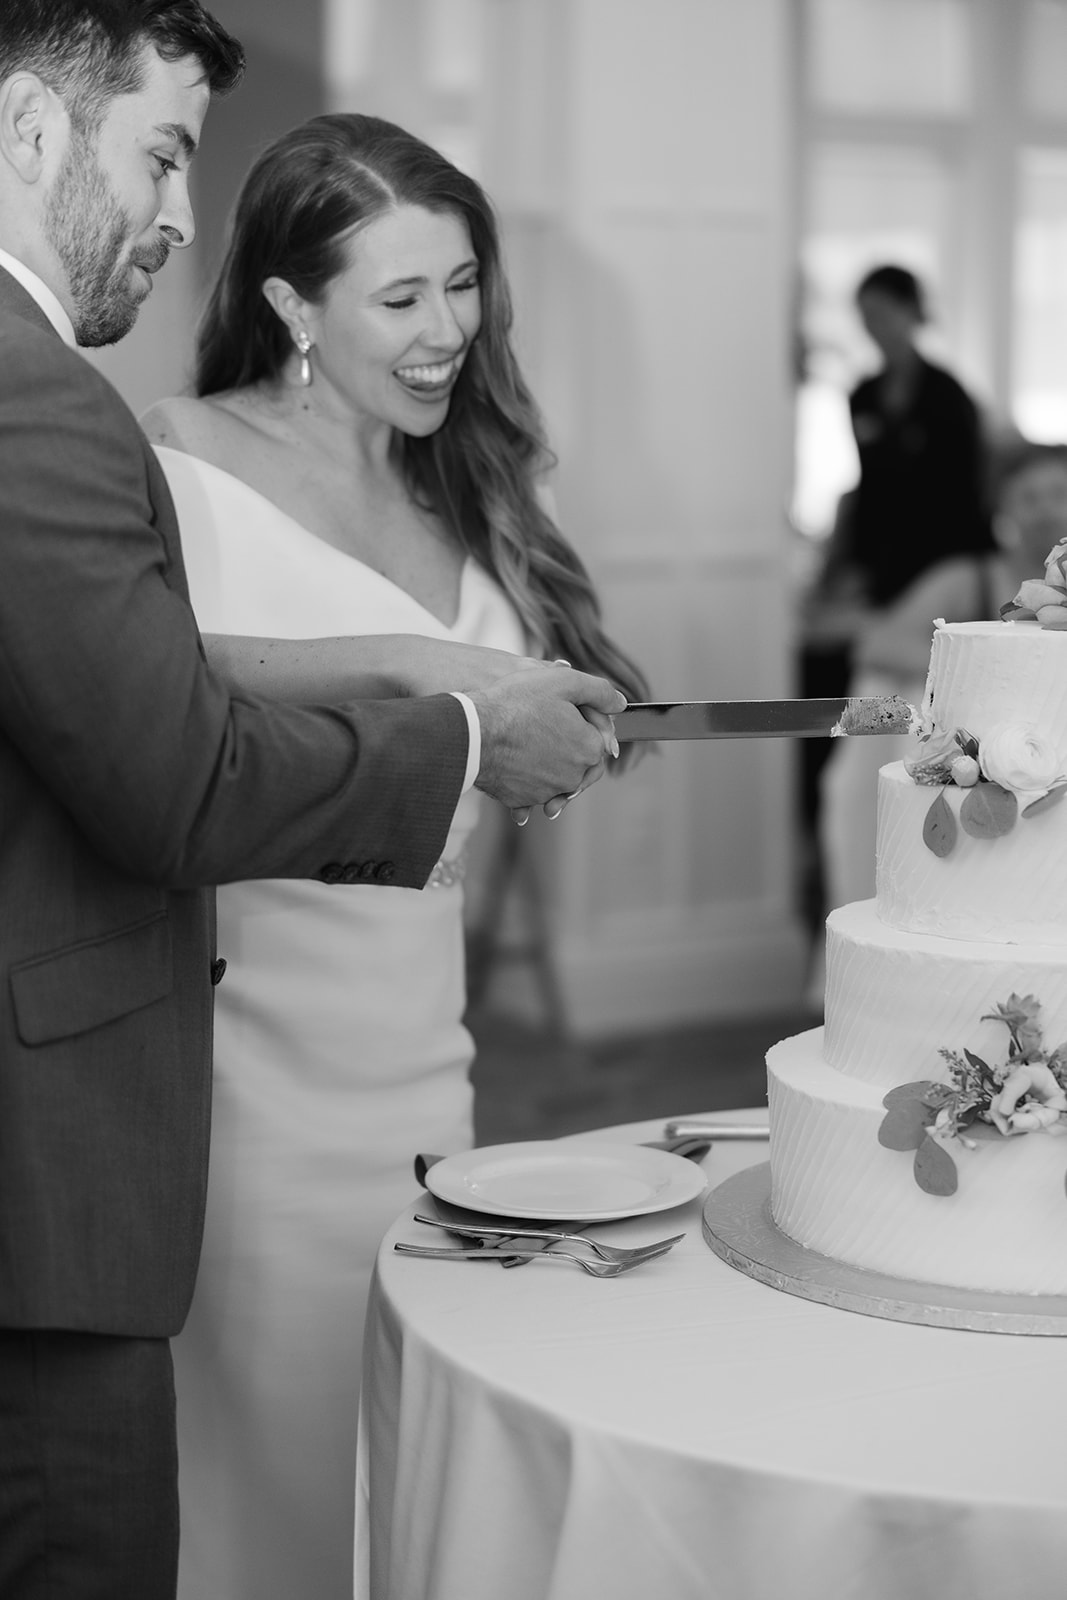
{"x":474,"y":745}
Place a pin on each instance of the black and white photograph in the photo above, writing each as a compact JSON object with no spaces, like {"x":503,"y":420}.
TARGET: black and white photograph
{"x":533,"y":740}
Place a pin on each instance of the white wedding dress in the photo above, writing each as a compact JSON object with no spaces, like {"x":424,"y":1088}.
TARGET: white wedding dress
{"x":339,"y":1053}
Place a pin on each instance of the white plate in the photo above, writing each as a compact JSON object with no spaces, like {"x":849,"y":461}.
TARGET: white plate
{"x":560,"y":1180}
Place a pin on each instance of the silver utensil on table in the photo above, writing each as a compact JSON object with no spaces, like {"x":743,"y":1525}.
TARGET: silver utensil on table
{"x":694,"y":1147}
{"x":595,"y":1269}
{"x":607,"y":1252}
{"x":713,"y":1131}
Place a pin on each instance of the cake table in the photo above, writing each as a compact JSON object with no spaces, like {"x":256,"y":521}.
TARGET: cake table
{"x":688,"y":1433}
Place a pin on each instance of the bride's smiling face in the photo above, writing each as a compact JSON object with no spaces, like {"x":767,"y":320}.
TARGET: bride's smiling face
{"x":395,"y":327}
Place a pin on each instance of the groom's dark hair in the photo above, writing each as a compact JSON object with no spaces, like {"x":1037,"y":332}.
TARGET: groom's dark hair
{"x":90,"y":51}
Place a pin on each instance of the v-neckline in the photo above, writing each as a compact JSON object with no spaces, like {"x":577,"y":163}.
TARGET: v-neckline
{"x":343,"y":555}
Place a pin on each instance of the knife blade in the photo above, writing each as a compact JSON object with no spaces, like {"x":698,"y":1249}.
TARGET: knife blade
{"x":765,"y":719}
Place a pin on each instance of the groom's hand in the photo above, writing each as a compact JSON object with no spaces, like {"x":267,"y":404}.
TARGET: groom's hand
{"x":538,"y":739}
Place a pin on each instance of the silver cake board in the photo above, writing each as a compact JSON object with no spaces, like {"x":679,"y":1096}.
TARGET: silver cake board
{"x":739,"y":1228}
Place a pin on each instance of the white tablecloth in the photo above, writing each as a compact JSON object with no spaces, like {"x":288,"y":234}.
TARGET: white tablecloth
{"x":685,"y":1433}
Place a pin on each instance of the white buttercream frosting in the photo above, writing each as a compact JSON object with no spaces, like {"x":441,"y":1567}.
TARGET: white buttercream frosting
{"x":893,"y":999}
{"x":1008,"y":890}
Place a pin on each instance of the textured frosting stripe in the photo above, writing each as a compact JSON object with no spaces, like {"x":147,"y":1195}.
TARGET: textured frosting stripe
{"x":894,"y":999}
{"x":836,"y":1190}
{"x":1009,"y":890}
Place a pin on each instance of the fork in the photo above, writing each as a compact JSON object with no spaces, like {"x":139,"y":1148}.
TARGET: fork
{"x":595,"y":1269}
{"x":606,"y":1252}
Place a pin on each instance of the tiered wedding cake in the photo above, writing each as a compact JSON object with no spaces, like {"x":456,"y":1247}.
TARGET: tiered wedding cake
{"x":919,"y":1134}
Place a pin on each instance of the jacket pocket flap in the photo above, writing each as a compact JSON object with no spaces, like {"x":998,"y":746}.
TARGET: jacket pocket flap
{"x":86,"y":985}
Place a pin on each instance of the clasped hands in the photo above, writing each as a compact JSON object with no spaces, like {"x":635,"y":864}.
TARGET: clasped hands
{"x":547,"y":734}
{"x":556,"y":806}
{"x":546,"y":730}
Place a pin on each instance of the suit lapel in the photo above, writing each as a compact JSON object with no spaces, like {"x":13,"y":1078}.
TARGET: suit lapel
{"x":18,"y":302}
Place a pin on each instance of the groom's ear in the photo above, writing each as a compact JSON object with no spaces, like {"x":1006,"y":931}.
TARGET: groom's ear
{"x":33,"y":125}
{"x":286,"y":304}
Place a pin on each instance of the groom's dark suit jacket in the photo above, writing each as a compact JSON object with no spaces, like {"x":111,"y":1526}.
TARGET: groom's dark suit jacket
{"x":130,"y":780}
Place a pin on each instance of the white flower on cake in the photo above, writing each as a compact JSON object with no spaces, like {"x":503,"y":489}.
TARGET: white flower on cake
{"x":1045,"y":1103}
{"x":1026,"y":1093}
{"x":1043,"y":599}
{"x":1035,"y":595}
{"x":1016,"y":756}
{"x":1056,"y":566}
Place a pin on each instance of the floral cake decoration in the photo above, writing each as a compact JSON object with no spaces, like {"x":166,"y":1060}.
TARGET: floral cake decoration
{"x":1024,"y":1093}
{"x":1012,"y":772}
{"x":1043,"y":600}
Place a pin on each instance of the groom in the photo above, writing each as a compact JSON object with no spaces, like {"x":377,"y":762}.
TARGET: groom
{"x":131,"y":780}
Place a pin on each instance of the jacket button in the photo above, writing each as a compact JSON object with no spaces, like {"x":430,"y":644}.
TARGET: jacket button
{"x":217,"y":969}
{"x":331,"y":872}
{"x":366,"y":872}
{"x":386,"y":872}
{"x":351,"y":873}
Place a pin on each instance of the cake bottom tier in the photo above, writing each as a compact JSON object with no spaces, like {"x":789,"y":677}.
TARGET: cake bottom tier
{"x":836,"y":1190}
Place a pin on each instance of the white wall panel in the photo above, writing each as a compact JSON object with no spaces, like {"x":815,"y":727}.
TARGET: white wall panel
{"x":683,"y":385}
{"x":642,"y":172}
{"x":665,"y":116}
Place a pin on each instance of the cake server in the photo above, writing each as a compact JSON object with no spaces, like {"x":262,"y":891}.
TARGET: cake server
{"x":765,"y":719}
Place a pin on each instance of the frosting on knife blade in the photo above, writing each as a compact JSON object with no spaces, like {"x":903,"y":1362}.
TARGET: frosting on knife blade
{"x":882,"y":713}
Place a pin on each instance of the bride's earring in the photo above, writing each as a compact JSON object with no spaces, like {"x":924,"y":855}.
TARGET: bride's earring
{"x":304,"y":343}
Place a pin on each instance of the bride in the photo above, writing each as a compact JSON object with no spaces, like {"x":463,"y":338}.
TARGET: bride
{"x":362,"y":457}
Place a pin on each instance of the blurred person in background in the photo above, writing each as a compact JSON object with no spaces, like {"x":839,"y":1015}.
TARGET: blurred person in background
{"x":922,"y":497}
{"x":892,"y":653}
{"x":923,"y":490}
{"x":362,"y":455}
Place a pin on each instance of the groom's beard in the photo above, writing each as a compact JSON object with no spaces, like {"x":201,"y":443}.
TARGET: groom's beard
{"x":90,"y":233}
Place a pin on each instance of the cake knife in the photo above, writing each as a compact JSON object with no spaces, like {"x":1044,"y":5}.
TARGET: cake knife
{"x":766,"y":719}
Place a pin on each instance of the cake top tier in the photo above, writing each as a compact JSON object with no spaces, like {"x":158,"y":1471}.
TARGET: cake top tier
{"x":974,"y":846}
{"x":985,"y":675}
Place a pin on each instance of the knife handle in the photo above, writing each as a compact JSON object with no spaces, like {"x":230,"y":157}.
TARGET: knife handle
{"x":716,"y":1131}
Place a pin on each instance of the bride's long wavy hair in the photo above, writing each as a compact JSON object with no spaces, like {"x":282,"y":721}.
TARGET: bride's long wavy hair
{"x":294,"y":220}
